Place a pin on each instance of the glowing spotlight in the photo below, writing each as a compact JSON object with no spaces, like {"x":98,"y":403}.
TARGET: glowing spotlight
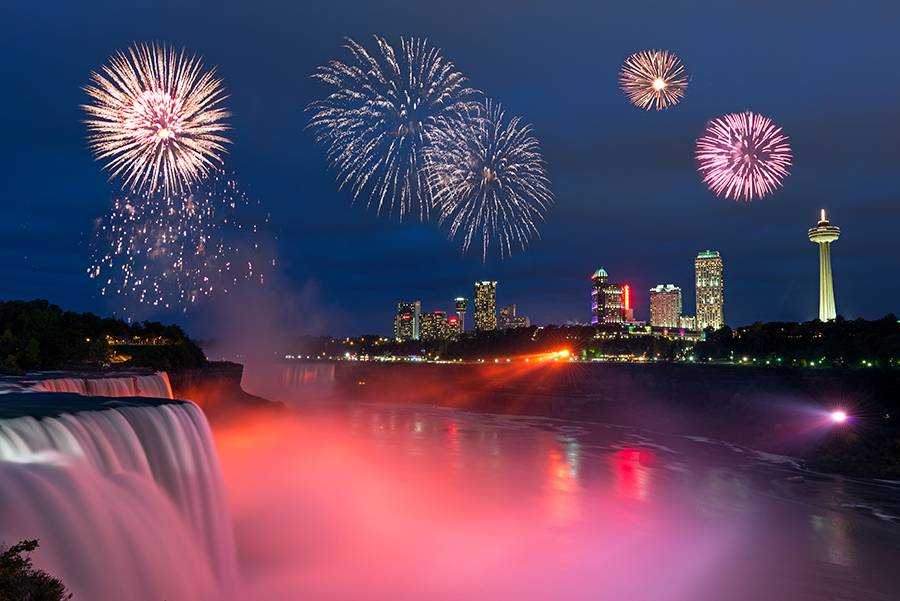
{"x":838,"y":417}
{"x":564,"y":353}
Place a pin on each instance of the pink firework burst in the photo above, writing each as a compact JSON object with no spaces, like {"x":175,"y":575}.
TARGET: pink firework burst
{"x":743,"y":156}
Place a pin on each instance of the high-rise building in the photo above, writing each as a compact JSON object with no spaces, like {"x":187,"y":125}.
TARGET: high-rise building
{"x":598,"y":283}
{"x":687,"y":322}
{"x":509,"y":319}
{"x":627,"y":307}
{"x":454,"y":327}
{"x":607,"y":299}
{"x":462,"y":305}
{"x":407,"y":321}
{"x":485,"y":306}
{"x":665,"y":306}
{"x":824,"y":234}
{"x":434,"y":326}
{"x":710,"y":290}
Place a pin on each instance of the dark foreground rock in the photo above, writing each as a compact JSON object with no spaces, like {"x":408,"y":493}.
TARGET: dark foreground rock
{"x":216,"y":387}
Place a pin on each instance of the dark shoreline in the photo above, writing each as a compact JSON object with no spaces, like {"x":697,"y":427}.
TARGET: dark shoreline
{"x":216,"y":387}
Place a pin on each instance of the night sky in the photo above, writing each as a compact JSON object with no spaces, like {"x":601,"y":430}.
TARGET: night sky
{"x":628,"y":196}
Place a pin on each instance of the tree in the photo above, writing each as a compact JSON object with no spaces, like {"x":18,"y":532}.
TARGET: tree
{"x":19,"y":581}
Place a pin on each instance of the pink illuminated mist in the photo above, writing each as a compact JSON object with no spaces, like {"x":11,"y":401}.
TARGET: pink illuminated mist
{"x":743,"y":156}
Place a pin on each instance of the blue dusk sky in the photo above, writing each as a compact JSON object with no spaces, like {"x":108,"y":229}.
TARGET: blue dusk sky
{"x":628,"y":196}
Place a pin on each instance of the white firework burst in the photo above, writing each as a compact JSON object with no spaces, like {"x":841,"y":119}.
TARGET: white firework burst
{"x":489,"y":179}
{"x":379,"y":117}
{"x":174,"y":250}
{"x":157,"y":118}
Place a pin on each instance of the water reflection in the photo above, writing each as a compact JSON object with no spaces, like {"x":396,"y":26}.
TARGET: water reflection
{"x":352,"y":501}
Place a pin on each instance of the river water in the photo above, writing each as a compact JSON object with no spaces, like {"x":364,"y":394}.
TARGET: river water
{"x":347,"y":500}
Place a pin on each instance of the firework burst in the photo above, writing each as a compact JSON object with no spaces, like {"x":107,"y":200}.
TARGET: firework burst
{"x":653,"y":79}
{"x":743,"y":156}
{"x":379,"y":118}
{"x":489,"y":179}
{"x":173,"y":250}
{"x":157,"y":118}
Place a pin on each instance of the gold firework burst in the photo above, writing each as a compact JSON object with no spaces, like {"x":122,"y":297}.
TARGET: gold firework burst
{"x":653,"y":79}
{"x":157,"y":118}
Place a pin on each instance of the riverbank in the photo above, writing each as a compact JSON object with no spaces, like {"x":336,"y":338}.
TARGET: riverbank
{"x":217,"y":388}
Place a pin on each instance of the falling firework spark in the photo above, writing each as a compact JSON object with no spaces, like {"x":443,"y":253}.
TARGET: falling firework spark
{"x":173,"y":250}
{"x":379,"y":118}
{"x":653,"y":79}
{"x":156,"y":118}
{"x":489,"y":179}
{"x":743,"y":156}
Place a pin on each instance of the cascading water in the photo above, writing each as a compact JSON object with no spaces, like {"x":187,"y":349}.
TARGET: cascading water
{"x":154,"y":385}
{"x":124,"y":494}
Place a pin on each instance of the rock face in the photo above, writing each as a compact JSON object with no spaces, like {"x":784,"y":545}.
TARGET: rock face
{"x":131,"y":483}
{"x":217,"y":389}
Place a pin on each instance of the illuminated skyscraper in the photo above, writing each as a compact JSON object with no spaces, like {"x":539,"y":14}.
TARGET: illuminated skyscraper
{"x":407,"y":321}
{"x":462,"y":305}
{"x":485,"y":306}
{"x":824,"y":234}
{"x":607,"y":299}
{"x":665,"y":306}
{"x":434,"y":326}
{"x":710,"y":290}
{"x":454,"y":327}
{"x":627,"y":306}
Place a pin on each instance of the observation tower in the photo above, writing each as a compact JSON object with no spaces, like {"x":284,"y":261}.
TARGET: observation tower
{"x":824,"y":234}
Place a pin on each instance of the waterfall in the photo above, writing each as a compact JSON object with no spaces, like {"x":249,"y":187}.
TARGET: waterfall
{"x":126,"y":496}
{"x":154,"y":385}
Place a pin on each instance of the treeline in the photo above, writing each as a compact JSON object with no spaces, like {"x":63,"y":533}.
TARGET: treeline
{"x":838,"y":343}
{"x":587,"y":342}
{"x":38,"y":335}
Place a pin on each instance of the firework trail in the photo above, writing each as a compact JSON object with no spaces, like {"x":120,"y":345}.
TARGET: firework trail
{"x":743,"y":156}
{"x":489,"y":179}
{"x":173,"y":250}
{"x":156,"y":118}
{"x":380,"y":115}
{"x":653,"y":79}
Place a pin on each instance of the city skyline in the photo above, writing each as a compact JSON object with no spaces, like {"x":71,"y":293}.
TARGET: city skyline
{"x":613,"y":302}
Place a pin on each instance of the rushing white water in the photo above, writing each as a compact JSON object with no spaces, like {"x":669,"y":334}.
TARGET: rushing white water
{"x":154,"y":385}
{"x":126,"y":500}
